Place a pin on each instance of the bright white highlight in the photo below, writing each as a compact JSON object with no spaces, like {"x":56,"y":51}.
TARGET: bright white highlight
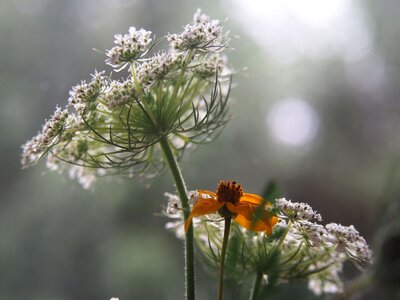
{"x":291,"y":29}
{"x":293,"y":122}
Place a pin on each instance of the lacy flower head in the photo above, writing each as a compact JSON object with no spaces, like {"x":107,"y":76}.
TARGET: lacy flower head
{"x":287,"y":241}
{"x":129,"y":47}
{"x":203,"y":34}
{"x":177,"y":96}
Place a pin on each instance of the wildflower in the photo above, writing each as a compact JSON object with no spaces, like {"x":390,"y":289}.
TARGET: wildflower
{"x":173,"y":203}
{"x":50,"y":135}
{"x":296,"y":211}
{"x":159,"y":67}
{"x":129,"y":47}
{"x":206,"y":68}
{"x":299,"y":246}
{"x":230,"y":201}
{"x":314,"y":233}
{"x":349,"y":241}
{"x":116,"y":126}
{"x":174,"y":211}
{"x":203,"y":34}
{"x":327,"y":281}
{"x":85,"y":94}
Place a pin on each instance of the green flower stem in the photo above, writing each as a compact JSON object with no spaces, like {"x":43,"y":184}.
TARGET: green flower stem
{"x":256,"y":286}
{"x":258,"y":279}
{"x":141,"y":95}
{"x":182,"y":192}
{"x":178,"y":84}
{"x":283,"y":237}
{"x":223,"y":252}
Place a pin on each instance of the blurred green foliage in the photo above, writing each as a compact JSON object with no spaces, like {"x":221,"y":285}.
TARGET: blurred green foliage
{"x":60,"y":242}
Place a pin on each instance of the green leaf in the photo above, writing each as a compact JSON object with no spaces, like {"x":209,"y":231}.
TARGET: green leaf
{"x":272,"y":191}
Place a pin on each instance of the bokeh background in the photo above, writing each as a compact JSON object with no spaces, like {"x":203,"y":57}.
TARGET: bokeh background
{"x":316,"y":108}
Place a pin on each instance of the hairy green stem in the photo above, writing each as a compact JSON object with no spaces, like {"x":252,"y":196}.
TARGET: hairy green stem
{"x":222,"y":260}
{"x":256,"y":286}
{"x":182,"y":192}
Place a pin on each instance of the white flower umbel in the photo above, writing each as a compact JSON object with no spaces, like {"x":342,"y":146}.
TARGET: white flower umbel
{"x":203,"y":34}
{"x":129,"y":47}
{"x":160,"y":67}
{"x":348,"y":240}
{"x":298,"y":248}
{"x":114,"y":127}
{"x":327,"y":281}
{"x":173,"y":206}
{"x":50,"y":135}
{"x":296,"y":210}
{"x":84,"y":94}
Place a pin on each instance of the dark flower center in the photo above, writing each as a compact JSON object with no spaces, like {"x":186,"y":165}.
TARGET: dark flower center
{"x":228,"y":191}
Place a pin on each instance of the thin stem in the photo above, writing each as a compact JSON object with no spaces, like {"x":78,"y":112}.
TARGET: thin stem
{"x":258,"y":279}
{"x":256,"y":286}
{"x":182,"y":74}
{"x":141,"y":95}
{"x":182,"y":192}
{"x":282,"y":239}
{"x":223,"y":252}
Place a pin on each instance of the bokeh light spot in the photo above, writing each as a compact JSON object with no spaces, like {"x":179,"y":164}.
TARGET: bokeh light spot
{"x":293,"y":122}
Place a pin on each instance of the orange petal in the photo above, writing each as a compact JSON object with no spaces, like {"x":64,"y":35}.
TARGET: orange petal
{"x":252,"y":198}
{"x":246,"y":218}
{"x":203,"y":207}
{"x":272,"y":221}
{"x":250,"y":225}
{"x":246,"y":209}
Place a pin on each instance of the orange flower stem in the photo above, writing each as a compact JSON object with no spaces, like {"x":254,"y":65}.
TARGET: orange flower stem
{"x":182,"y":192}
{"x":222,"y":260}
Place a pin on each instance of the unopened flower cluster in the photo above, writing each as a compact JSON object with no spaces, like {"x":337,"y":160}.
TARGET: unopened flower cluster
{"x":300,"y":247}
{"x":114,"y":126}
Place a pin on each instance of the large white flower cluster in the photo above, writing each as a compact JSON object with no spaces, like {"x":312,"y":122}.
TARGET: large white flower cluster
{"x":113,"y":127}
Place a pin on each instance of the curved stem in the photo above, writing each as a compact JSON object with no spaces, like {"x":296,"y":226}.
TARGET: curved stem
{"x":256,"y":286}
{"x":223,"y":252}
{"x":182,"y":192}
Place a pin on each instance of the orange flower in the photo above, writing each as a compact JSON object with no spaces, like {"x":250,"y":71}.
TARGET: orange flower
{"x":230,"y":201}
